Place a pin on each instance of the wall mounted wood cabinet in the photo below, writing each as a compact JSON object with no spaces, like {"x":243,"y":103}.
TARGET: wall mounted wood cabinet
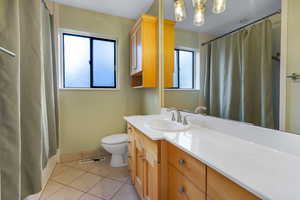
{"x":144,"y":51}
{"x":169,"y":47}
{"x":143,"y":57}
{"x":161,"y":171}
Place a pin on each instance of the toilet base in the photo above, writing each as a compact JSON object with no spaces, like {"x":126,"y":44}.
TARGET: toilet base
{"x":118,"y":160}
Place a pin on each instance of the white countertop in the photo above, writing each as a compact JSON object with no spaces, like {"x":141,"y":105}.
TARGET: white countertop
{"x":264,"y":171}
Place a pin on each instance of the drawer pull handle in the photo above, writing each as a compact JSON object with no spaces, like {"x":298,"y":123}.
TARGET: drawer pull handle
{"x":129,"y":156}
{"x":181,"y":190}
{"x":181,"y":162}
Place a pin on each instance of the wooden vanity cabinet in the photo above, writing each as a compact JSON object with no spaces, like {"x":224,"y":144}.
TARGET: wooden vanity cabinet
{"x":131,"y":153}
{"x":190,"y":179}
{"x":221,"y":188}
{"x":181,"y":188}
{"x":139,"y":173}
{"x":186,"y":175}
{"x":161,"y":171}
{"x":151,"y":175}
{"x":146,"y":166}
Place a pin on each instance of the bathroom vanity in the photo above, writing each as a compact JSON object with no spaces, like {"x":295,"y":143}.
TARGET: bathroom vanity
{"x":186,"y":177}
{"x":204,"y":164}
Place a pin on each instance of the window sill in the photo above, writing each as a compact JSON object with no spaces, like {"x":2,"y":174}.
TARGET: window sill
{"x":89,"y":89}
{"x":182,"y":90}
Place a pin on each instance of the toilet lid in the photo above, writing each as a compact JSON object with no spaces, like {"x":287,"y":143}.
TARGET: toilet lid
{"x":115,"y":139}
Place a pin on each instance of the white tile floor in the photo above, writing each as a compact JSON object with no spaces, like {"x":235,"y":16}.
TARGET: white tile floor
{"x":91,"y":181}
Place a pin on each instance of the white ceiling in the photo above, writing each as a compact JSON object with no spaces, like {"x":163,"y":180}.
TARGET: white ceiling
{"x":237,"y":11}
{"x":123,"y":8}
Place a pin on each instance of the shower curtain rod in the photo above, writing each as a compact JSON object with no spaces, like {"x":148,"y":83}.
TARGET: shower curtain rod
{"x":242,"y":27}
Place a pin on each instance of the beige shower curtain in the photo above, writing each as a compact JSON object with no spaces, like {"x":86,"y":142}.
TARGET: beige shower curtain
{"x":238,"y":74}
{"x":27,"y":96}
{"x":49,"y":89}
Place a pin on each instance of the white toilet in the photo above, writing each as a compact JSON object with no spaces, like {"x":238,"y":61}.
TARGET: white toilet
{"x":116,"y":145}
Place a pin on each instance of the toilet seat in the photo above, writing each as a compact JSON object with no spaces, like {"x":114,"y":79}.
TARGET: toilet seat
{"x":115,"y":139}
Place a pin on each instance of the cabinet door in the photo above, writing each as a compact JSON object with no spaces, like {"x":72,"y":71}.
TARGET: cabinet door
{"x":133,"y":52}
{"x":169,"y":46}
{"x":191,"y":168}
{"x":131,"y":153}
{"x":221,"y":188}
{"x":139,"y":50}
{"x":151,"y":178}
{"x":139,"y":175}
{"x":181,"y":188}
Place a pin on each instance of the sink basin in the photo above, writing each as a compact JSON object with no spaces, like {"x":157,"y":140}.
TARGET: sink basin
{"x":166,"y":125}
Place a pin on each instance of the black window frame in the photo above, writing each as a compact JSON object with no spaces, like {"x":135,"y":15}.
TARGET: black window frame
{"x":177,"y":50}
{"x":91,"y":62}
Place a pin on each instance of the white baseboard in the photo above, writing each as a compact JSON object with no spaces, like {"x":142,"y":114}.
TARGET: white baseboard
{"x":69,"y":157}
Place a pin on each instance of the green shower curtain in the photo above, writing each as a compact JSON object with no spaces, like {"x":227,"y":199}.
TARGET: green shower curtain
{"x":27,"y":97}
{"x":238,"y":73}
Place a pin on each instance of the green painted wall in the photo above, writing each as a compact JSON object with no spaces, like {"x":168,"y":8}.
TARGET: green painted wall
{"x":187,"y":99}
{"x":293,"y":88}
{"x":154,"y":9}
{"x":87,"y":116}
{"x":150,"y":96}
{"x":186,"y":38}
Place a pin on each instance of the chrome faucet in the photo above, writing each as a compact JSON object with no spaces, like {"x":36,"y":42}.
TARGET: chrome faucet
{"x":185,"y":121}
{"x":178,"y":117}
{"x":201,"y":110}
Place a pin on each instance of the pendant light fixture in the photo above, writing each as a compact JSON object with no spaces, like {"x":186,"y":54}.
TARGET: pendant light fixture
{"x":199,"y":13}
{"x":219,"y":6}
{"x":179,"y":10}
{"x":198,"y":2}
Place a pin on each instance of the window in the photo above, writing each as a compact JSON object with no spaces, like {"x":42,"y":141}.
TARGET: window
{"x":184,"y":67}
{"x":88,"y":62}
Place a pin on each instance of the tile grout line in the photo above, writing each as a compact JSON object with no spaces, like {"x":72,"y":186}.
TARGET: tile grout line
{"x":69,"y":186}
{"x":117,"y":191}
{"x":87,"y":171}
{"x":55,"y":191}
{"x":49,"y":179}
{"x":110,"y":178}
{"x":93,"y":187}
{"x":102,"y":181}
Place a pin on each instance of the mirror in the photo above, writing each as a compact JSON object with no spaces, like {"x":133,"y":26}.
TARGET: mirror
{"x":225,"y":60}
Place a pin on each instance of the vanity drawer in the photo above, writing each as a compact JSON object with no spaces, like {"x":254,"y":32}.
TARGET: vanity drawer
{"x":193,"y":169}
{"x":180,"y":188}
{"x":221,"y":188}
